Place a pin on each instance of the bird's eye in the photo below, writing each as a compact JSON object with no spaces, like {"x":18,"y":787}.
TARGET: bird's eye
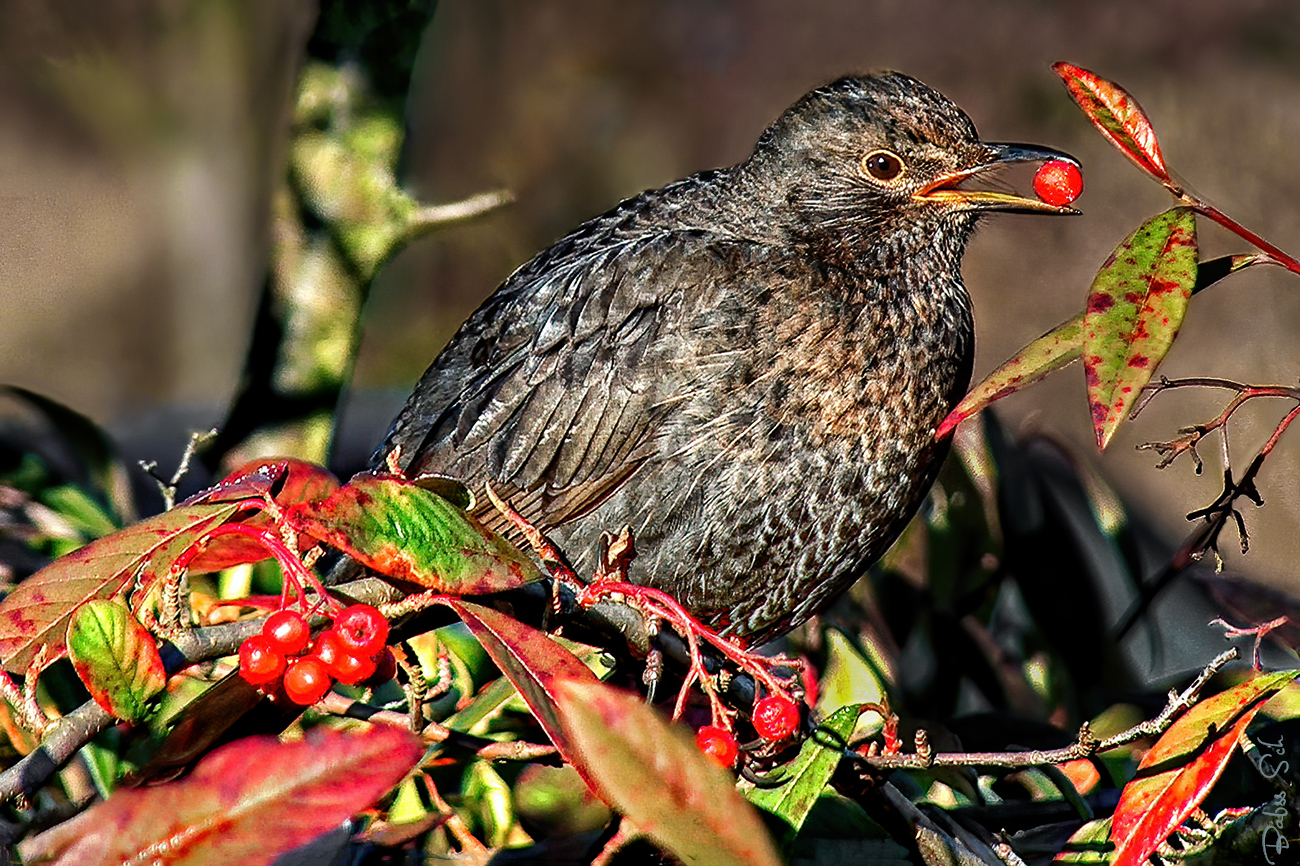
{"x":882,"y":165}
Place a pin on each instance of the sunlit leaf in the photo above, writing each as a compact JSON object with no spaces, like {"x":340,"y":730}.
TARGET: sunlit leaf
{"x":1178,"y":772}
{"x":1135,"y":308}
{"x":810,"y":771}
{"x":116,"y":658}
{"x":1089,"y":845}
{"x":849,"y":677}
{"x":532,"y":661}
{"x":650,"y":771}
{"x":1037,"y":360}
{"x":37,"y":611}
{"x":402,"y":529}
{"x":1117,"y":115}
{"x":1062,"y":346}
{"x":245,"y":803}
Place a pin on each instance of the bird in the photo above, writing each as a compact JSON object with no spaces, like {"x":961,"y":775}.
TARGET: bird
{"x":746,"y":367}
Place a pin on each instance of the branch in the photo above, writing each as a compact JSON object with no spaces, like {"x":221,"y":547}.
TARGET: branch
{"x":1083,"y":747}
{"x":436,"y":216}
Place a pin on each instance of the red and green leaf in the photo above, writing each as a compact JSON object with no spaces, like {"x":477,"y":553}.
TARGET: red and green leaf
{"x":37,"y":612}
{"x":1039,"y":359}
{"x":246,"y":803}
{"x":1134,"y":310}
{"x":650,"y":771}
{"x":116,"y":658}
{"x":1117,"y":115}
{"x":1178,"y":772}
{"x":532,"y":661}
{"x":401,"y":529}
{"x":1062,"y":346}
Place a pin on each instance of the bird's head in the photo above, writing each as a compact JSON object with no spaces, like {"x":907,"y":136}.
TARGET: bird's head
{"x":867,"y":157}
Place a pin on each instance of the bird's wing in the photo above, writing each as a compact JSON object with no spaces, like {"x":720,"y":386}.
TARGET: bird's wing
{"x":553,"y":389}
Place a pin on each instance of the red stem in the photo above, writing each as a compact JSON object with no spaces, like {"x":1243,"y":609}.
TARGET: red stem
{"x":294,"y":571}
{"x":1242,"y":232}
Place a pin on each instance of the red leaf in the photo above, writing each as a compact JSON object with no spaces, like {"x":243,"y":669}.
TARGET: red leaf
{"x":1181,"y":768}
{"x":651,"y":772}
{"x":404,"y":530}
{"x":245,"y":803}
{"x":115,"y":657}
{"x":532,"y":661}
{"x":1135,"y":308}
{"x":1117,"y":115}
{"x":285,"y":481}
{"x":37,"y":611}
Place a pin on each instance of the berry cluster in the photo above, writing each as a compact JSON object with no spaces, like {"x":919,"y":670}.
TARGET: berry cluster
{"x":775,"y":718}
{"x":349,"y":652}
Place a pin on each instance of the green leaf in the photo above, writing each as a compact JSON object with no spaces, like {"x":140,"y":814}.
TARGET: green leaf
{"x":1135,"y":308}
{"x":810,"y":771}
{"x":1117,"y":115}
{"x":92,"y":446}
{"x":1177,"y":773}
{"x":401,"y":529}
{"x":115,"y":657}
{"x":650,"y":771}
{"x":1089,"y":845}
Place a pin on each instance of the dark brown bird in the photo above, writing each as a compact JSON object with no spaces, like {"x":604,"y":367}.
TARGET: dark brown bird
{"x":746,"y":367}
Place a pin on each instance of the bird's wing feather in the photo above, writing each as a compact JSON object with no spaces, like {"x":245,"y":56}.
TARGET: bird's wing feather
{"x":553,"y":389}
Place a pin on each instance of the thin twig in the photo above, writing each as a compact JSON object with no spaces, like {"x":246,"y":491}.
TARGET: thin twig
{"x":436,"y":216}
{"x":167,"y":486}
{"x":1085,"y":746}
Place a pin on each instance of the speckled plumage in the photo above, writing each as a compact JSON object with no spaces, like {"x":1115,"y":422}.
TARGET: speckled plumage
{"x":746,"y":367}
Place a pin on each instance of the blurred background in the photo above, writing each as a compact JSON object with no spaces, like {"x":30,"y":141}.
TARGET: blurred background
{"x":140,"y":141}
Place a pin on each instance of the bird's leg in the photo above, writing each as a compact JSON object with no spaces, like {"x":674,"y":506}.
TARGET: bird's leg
{"x":545,"y":549}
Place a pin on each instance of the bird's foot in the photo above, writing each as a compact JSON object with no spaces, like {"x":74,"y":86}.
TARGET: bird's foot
{"x":611,"y":580}
{"x":659,"y":607}
{"x":547,"y":551}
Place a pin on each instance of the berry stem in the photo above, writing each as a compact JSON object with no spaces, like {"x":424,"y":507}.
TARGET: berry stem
{"x":295,"y":573}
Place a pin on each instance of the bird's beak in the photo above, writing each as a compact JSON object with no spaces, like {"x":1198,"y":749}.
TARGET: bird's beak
{"x":945,"y":190}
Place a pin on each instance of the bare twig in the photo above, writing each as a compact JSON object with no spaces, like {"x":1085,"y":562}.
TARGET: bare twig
{"x":167,"y":486}
{"x":1083,"y":747}
{"x":436,"y":216}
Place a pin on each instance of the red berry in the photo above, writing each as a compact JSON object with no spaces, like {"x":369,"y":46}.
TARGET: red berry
{"x":385,"y":668}
{"x":328,"y":648}
{"x":718,"y":744}
{"x":288,"y":631}
{"x":1058,"y":182}
{"x":775,"y":717}
{"x":362,"y":629}
{"x":350,"y":669}
{"x":259,"y":661}
{"x":306,"y":681}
